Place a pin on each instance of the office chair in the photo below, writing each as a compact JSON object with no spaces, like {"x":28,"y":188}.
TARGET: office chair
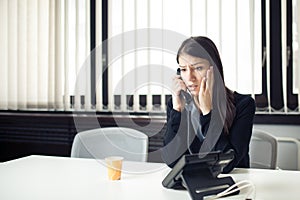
{"x":263,"y":150}
{"x":288,"y":153}
{"x":111,"y":141}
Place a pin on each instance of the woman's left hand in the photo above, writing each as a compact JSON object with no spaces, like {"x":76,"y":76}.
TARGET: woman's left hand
{"x":204,"y":101}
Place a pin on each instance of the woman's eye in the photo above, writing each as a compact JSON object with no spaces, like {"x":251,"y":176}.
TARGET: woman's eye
{"x":198,"y":68}
{"x":182,"y":69}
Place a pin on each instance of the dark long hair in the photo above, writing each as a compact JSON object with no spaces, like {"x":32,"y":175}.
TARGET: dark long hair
{"x":203,"y":47}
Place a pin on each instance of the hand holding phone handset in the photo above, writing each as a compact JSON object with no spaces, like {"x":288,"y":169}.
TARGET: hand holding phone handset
{"x":185,"y":95}
{"x":180,"y":97}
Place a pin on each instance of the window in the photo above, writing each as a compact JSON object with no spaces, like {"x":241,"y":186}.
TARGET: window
{"x":143,"y":38}
{"x":279,"y":92}
{"x":119,"y":55}
{"x":43,"y":45}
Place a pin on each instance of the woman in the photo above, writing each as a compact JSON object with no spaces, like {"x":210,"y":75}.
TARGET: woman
{"x":216,"y":118}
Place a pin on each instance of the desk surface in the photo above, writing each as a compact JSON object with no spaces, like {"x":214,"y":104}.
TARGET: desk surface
{"x":46,"y":177}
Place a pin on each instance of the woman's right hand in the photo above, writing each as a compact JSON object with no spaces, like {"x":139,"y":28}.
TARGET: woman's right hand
{"x":178,"y":85}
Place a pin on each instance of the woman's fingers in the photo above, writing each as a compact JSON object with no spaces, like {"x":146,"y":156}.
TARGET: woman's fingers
{"x":178,"y":84}
{"x":203,"y":86}
{"x":205,"y":92}
{"x":210,"y":79}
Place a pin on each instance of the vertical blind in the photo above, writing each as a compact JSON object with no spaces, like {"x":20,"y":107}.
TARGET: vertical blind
{"x":46,"y":58}
{"x":234,"y":26}
{"x":43,"y":44}
{"x":296,"y":49}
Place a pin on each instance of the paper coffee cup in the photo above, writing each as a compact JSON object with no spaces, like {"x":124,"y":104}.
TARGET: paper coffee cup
{"x":114,"y":167}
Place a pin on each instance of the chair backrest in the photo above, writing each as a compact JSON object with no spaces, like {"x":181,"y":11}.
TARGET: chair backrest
{"x":288,"y":153}
{"x":263,"y":150}
{"x":111,"y":141}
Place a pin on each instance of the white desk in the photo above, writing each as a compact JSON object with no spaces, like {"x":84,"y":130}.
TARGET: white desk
{"x":45,"y":177}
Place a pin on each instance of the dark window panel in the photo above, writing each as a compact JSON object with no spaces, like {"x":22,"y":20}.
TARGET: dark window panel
{"x":276,"y":92}
{"x":72,"y":101}
{"x":117,"y":102}
{"x":129,"y":102}
{"x":156,"y":102}
{"x":143,"y":102}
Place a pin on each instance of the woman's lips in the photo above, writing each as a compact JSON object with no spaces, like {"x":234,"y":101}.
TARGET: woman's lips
{"x":192,"y":87}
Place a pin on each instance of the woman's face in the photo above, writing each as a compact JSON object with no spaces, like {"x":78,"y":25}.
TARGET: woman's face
{"x":193,"y":70}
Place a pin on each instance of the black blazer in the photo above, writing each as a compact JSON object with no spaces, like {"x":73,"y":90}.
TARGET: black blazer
{"x":178,"y":142}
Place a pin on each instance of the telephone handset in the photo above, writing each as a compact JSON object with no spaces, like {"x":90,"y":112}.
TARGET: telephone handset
{"x":187,"y":97}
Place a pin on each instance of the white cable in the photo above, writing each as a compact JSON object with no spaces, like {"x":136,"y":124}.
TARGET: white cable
{"x":189,"y":118}
{"x":251,"y":191}
{"x":233,"y":186}
{"x":232,"y":189}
